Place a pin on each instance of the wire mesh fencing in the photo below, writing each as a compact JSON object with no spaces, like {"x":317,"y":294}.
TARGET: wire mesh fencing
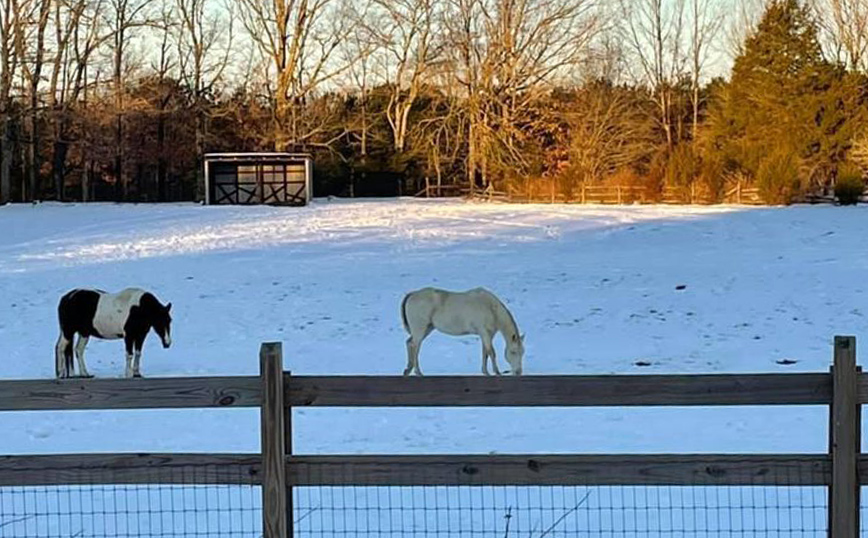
{"x":560,"y":511}
{"x":190,"y":506}
{"x":777,"y":499}
{"x":347,"y":498}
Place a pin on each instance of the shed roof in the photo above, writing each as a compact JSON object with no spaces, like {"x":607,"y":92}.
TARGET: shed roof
{"x":237,"y":156}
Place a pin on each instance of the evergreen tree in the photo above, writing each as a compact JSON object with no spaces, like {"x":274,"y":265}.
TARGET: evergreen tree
{"x":785,"y":101}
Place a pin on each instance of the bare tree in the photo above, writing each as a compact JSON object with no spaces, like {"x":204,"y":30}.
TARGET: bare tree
{"x":506,"y":55}
{"x":404,"y":30}
{"x":743,"y":18}
{"x":846,"y":26}
{"x":31,"y":19}
{"x":300,"y":39}
{"x":358,"y":51}
{"x":122,"y":18}
{"x":655,"y":31}
{"x":440,"y":135}
{"x":204,"y":43}
{"x":608,"y":131}
{"x":706,"y":20}
{"x":77,"y":37}
{"x":8,"y":67}
{"x":164,"y":63}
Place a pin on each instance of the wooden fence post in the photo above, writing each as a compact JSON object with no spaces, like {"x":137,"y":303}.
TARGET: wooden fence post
{"x":271,"y":413}
{"x":287,"y":432}
{"x":845,"y":444}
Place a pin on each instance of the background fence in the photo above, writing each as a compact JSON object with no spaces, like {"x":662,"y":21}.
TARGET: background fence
{"x":278,"y":493}
{"x":609,"y":194}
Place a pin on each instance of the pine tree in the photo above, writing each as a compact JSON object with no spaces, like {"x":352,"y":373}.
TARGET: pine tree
{"x":785,"y":101}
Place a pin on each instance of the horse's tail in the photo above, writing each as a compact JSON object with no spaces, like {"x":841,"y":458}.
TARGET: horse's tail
{"x":404,"y":313}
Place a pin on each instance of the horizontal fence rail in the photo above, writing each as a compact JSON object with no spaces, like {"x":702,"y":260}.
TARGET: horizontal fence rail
{"x":560,"y":470}
{"x":436,"y":391}
{"x":136,"y":393}
{"x":559,"y":391}
{"x":80,"y":469}
{"x":427,"y":470}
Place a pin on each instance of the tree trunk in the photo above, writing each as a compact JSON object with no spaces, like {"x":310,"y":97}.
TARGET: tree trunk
{"x":86,"y":181}
{"x":5,"y":161}
{"x":59,"y":167}
{"x":32,"y":169}
{"x":201,"y":131}
{"x":471,"y":161}
{"x":33,"y":150}
{"x":120,"y":191}
{"x":161,"y":160}
{"x":120,"y":184}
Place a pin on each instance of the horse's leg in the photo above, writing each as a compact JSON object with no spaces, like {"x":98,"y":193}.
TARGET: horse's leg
{"x":410,"y":352}
{"x":493,"y":355}
{"x":130,"y":343}
{"x":413,"y":348}
{"x":61,"y":351}
{"x":417,"y":346}
{"x":488,"y":351}
{"x":79,"y":355}
{"x":137,"y":357}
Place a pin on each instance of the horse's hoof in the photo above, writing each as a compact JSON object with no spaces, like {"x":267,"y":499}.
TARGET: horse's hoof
{"x":137,"y":375}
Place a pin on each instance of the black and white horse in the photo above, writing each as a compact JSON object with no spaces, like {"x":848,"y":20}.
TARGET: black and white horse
{"x":128,"y":314}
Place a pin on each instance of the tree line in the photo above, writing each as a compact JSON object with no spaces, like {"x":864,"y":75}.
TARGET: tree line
{"x":119,"y":99}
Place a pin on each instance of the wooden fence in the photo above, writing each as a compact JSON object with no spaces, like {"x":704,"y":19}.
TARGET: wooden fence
{"x":613,"y":195}
{"x":278,"y":470}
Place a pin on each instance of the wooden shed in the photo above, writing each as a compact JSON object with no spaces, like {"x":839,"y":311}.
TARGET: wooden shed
{"x":258,"y":178}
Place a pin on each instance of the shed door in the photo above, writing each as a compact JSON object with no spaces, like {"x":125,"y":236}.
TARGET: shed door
{"x":283,"y":183}
{"x":234,"y":183}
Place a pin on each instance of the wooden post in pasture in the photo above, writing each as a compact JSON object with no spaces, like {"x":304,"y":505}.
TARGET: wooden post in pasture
{"x":844,"y":445}
{"x":274,"y":509}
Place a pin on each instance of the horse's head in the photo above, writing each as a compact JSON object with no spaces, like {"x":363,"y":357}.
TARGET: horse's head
{"x":162,"y":323}
{"x":515,"y":353}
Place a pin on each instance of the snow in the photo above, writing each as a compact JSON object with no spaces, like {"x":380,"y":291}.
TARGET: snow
{"x":593,"y":287}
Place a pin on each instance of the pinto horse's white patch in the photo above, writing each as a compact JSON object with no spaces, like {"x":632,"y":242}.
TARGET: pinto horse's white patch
{"x":113,"y":310}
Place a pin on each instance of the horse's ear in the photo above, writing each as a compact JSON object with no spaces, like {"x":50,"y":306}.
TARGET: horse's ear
{"x":521,"y":338}
{"x":169,"y":307}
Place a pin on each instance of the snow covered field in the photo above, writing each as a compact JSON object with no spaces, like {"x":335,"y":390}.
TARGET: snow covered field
{"x":594,"y":288}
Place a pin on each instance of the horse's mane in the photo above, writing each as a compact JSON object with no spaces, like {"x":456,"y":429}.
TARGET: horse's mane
{"x":508,"y":314}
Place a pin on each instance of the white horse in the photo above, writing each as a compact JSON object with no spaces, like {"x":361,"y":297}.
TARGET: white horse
{"x":476,"y":311}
